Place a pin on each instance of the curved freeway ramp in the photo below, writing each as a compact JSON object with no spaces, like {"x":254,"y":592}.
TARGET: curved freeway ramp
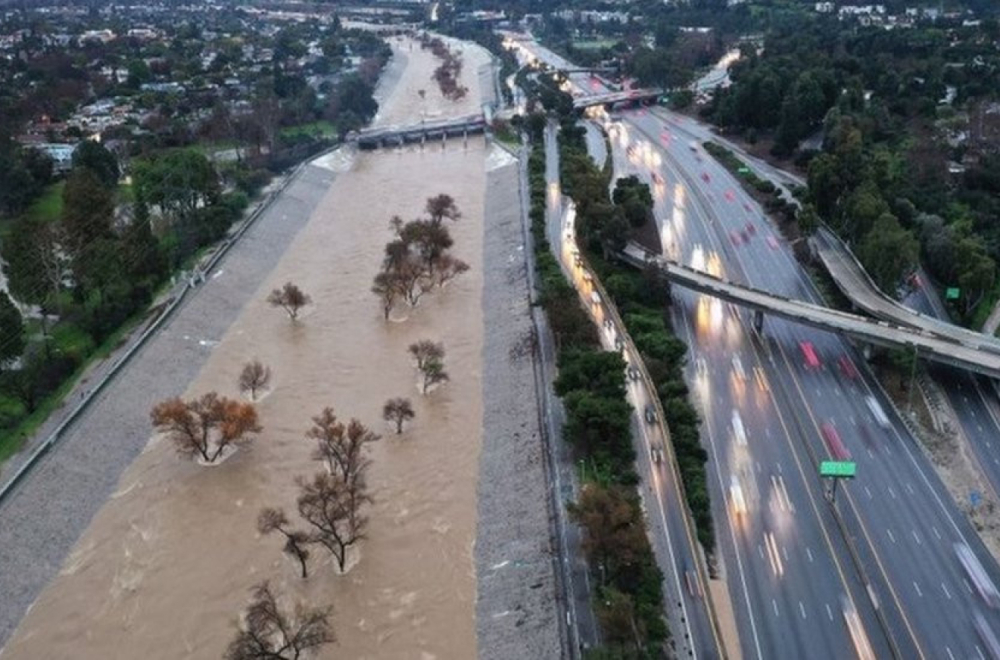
{"x":855,"y":283}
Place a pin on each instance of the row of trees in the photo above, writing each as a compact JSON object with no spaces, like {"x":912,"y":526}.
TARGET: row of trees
{"x":447,"y":73}
{"x":592,"y":384}
{"x":417,"y":259}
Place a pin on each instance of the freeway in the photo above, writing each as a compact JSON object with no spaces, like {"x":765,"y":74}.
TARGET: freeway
{"x":787,"y":572}
{"x":897,"y":510}
{"x":672,"y":538}
{"x":899,"y":519}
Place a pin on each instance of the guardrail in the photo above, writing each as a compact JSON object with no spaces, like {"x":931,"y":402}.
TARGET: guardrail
{"x":192,"y":283}
{"x":651,"y":388}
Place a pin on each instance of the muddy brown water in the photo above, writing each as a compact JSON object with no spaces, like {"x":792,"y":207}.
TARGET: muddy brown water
{"x":165,"y":567}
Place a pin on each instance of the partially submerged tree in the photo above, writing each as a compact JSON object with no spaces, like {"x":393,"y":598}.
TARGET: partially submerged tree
{"x":425,"y":350}
{"x":448,"y":268}
{"x":339,"y":446}
{"x":268,"y":633}
{"x":398,"y":410}
{"x":254,"y":377}
{"x":433,"y":372}
{"x":332,"y":505}
{"x":296,"y":541}
{"x":205,"y":426}
{"x":290,"y":298}
{"x":442,"y":206}
{"x":389,"y":288}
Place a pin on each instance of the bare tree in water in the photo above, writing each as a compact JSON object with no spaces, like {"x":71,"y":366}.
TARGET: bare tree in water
{"x":339,"y":446}
{"x":398,"y":410}
{"x":268,"y":633}
{"x":332,"y":505}
{"x":205,"y":426}
{"x":296,"y":541}
{"x":254,"y":377}
{"x":290,"y":298}
{"x":442,"y":207}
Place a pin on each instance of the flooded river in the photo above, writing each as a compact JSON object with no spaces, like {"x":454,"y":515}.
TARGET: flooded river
{"x":165,"y":567}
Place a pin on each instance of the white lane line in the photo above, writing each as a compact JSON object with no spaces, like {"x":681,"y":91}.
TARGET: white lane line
{"x":948,"y":650}
{"x":945,"y":590}
{"x":980,"y":652}
{"x":802,"y":610}
{"x":909,"y":488}
{"x":966,"y":583}
{"x":784,"y":551}
{"x":774,"y":603}
{"x":869,"y":492}
{"x":936,"y":532}
{"x":871,"y":454}
{"x":760,"y":550}
{"x":916,"y":537}
{"x":891,"y":492}
{"x":889,"y":532}
{"x":917,"y":587}
{"x":778,"y":465}
{"x":809,"y":554}
{"x":829,"y":612}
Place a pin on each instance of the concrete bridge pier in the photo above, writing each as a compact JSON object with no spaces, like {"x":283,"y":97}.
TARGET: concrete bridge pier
{"x":758,"y":321}
{"x":444,"y":139}
{"x":465,"y":137}
{"x":423,"y":139}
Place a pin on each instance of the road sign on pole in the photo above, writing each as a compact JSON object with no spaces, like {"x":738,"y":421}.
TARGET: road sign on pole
{"x":952,"y":293}
{"x":838,"y":469}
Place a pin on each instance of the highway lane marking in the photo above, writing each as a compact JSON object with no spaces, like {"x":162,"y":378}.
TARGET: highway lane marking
{"x":909,"y":488}
{"x":775,"y":604}
{"x":916,"y":537}
{"x":809,"y":554}
{"x":917,"y":587}
{"x":889,"y":532}
{"x":948,"y":650}
{"x":829,"y":612}
{"x":936,"y":532}
{"x":869,"y":493}
{"x":871,"y":454}
{"x":966,"y":583}
{"x":891,"y":492}
{"x":946,"y":592}
{"x":980,"y":652}
{"x":802,"y":610}
{"x":760,"y":550}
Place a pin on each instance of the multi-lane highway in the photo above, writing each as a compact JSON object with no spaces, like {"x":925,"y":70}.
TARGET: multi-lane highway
{"x":888,"y":581}
{"x":673,"y":540}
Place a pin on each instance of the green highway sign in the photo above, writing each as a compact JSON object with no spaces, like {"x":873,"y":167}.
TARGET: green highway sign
{"x":744,"y":170}
{"x":846,"y":469}
{"x":952,"y":293}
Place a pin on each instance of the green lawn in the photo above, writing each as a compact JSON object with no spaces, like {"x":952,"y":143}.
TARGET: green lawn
{"x":322,"y":127}
{"x":48,"y":207}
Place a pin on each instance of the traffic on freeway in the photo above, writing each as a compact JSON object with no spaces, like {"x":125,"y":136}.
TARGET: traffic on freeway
{"x":885,"y":571}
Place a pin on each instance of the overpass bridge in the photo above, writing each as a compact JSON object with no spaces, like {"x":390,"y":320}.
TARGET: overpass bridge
{"x":616,"y":97}
{"x":875,"y":332}
{"x":380,"y":136}
{"x":855,"y":283}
